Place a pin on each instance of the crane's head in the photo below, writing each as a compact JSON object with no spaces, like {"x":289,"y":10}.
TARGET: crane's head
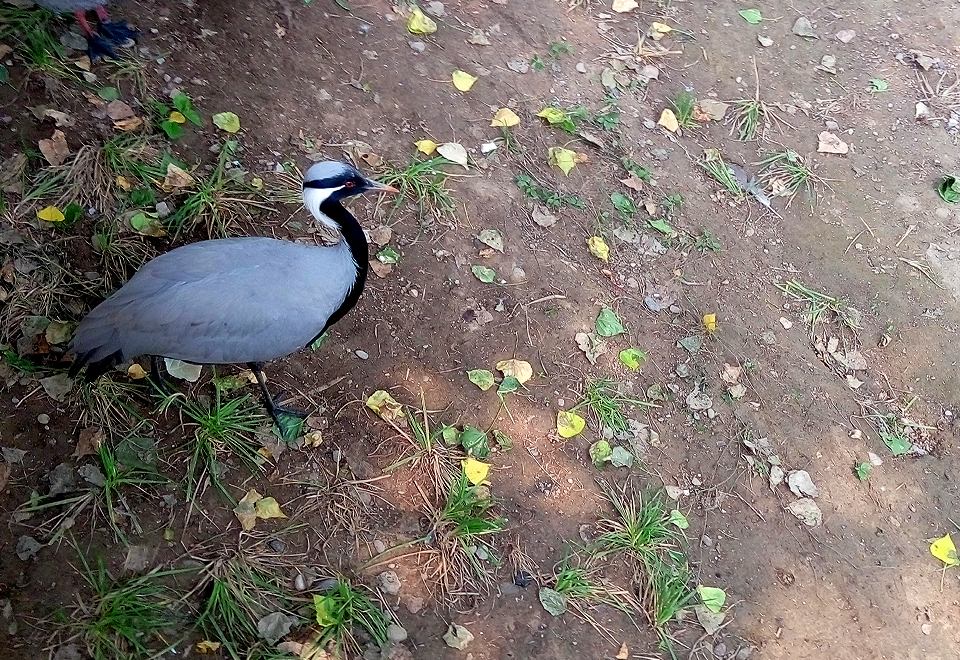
{"x":331,"y":181}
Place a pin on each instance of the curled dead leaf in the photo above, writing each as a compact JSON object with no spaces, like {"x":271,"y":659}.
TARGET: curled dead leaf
{"x":55,"y":148}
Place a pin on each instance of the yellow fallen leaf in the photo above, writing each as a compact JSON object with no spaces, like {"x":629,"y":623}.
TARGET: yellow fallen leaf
{"x":313,"y":439}
{"x":624,"y":652}
{"x":598,"y":248}
{"x":710,"y":322}
{"x":463,"y":80}
{"x":128,"y":124}
{"x":245,"y":511}
{"x":669,"y":120}
{"x":420,"y":23}
{"x":256,"y":183}
{"x":505,"y":117}
{"x":268,"y":507}
{"x":662,"y":28}
{"x":385,"y":405}
{"x":565,"y":159}
{"x":136,"y":372}
{"x":124,"y":183}
{"x":206,"y":646}
{"x":475,"y":470}
{"x":552,"y":115}
{"x":623,"y":6}
{"x":944,"y":550}
{"x":426,"y":147}
{"x":51,"y":214}
{"x":569,"y":424}
{"x":227,"y":121}
{"x":519,"y":369}
{"x":177,"y":117}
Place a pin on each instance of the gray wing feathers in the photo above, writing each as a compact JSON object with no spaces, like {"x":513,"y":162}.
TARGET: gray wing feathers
{"x":222,"y":301}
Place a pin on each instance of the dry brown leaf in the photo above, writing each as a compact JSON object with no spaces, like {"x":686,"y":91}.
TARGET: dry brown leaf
{"x":5,"y":471}
{"x":94,"y":99}
{"x":519,"y":369}
{"x":55,"y":148}
{"x":831,"y":144}
{"x":117,"y":110}
{"x":89,"y":442}
{"x":5,"y":50}
{"x":633,"y":182}
{"x":176,"y":178}
{"x":624,"y":652}
{"x":381,"y":235}
{"x":623,"y":6}
{"x":379,"y":268}
{"x":129,"y":124}
{"x":669,"y":120}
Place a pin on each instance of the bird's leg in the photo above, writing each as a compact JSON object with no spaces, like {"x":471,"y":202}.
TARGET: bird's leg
{"x":84,"y":23}
{"x":156,"y":378}
{"x":272,"y":407}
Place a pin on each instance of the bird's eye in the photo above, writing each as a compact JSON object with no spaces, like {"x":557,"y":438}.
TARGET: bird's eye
{"x":349,"y":184}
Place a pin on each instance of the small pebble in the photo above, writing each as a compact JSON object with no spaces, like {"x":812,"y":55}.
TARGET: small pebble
{"x":581,"y":67}
{"x":389,"y":581}
{"x":379,"y":546}
{"x":43,"y":418}
{"x":396,"y":633}
{"x":417,"y":46}
{"x":363,"y":355}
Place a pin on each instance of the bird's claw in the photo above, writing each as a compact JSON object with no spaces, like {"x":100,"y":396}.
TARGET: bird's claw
{"x":118,"y":32}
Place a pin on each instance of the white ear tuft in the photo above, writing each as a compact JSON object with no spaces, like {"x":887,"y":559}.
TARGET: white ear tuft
{"x":313,"y":198}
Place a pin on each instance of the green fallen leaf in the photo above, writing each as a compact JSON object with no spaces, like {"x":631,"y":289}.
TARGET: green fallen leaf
{"x":565,"y":159}
{"x":388,"y":256}
{"x":751,"y":16}
{"x":484,"y":274}
{"x":620,"y":457}
{"x":878,"y":85}
{"x":504,"y":440}
{"x":474,"y":442}
{"x":227,"y":121}
{"x":450,"y":435}
{"x":662,"y":226}
{"x":147,"y":224}
{"x":623,"y":204}
{"x":600,"y":453}
{"x":632,"y":358}
{"x":507,"y":385}
{"x":713,"y":598}
{"x":949,"y":189}
{"x":108,"y":93}
{"x":482,"y":378}
{"x":608,"y":323}
{"x":553,"y":601}
{"x":862,"y":470}
{"x":678,"y":519}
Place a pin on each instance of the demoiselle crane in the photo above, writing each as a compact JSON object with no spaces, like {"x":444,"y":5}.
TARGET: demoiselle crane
{"x":237,"y":300}
{"x":108,"y":33}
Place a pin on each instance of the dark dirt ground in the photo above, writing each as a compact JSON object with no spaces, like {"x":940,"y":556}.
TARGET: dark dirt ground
{"x":303,"y":81}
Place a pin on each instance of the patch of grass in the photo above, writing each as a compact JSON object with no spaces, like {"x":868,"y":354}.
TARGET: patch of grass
{"x":218,"y":200}
{"x":537,"y":64}
{"x":120,"y":254}
{"x":107,"y":404}
{"x":344,"y":609}
{"x":684,"y":103}
{"x":748,"y":115}
{"x":605,"y":402}
{"x":706,"y":241}
{"x":714,"y":164}
{"x":426,"y":452}
{"x":820,"y":305}
{"x":135,"y":155}
{"x":344,"y":502}
{"x":895,"y":434}
{"x":784,"y":174}
{"x":585,"y":591}
{"x":643,"y":531}
{"x":548,"y":197}
{"x":85,"y":179}
{"x":131,"y":69}
{"x":107,"y":490}
{"x":36,"y":42}
{"x":423,"y":183}
{"x":137,"y":617}
{"x":637,"y":170}
{"x":237,"y":593}
{"x":462,"y":560}
{"x":222,"y":426}
{"x":558,"y":48}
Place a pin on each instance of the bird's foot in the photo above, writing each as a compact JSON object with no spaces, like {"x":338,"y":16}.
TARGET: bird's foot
{"x":288,"y":421}
{"x":118,"y":32}
{"x":100,"y":48}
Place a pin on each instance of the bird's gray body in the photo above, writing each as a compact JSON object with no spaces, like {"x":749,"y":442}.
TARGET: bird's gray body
{"x":65,"y":6}
{"x":224,"y":301}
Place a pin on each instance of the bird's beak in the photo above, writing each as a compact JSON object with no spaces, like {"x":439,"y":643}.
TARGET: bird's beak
{"x":376,"y":186}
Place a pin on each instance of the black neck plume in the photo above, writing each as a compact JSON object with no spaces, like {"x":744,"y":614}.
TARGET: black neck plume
{"x":353,"y":234}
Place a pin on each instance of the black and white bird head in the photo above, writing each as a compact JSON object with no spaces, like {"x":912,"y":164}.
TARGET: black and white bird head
{"x":331,"y":181}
